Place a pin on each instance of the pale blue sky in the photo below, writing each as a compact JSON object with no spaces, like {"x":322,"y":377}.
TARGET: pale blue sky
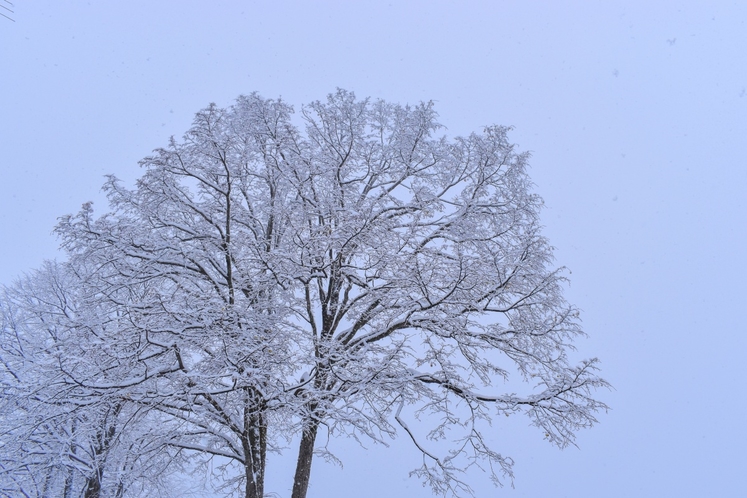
{"x":636,"y":115}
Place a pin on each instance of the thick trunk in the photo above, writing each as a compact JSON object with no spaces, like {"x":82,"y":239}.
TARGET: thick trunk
{"x":305,"y":455}
{"x":253,"y":484}
{"x":255,"y":451}
{"x":254,"y":469}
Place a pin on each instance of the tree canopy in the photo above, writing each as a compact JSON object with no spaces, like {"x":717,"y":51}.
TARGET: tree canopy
{"x":272,"y":275}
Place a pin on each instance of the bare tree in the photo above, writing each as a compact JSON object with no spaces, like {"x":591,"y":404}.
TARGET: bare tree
{"x":345,"y":277}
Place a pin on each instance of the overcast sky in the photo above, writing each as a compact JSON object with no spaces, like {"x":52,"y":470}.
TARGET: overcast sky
{"x":636,"y":117}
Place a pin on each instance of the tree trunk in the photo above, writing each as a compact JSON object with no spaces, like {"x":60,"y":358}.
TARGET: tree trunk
{"x":47,"y":481}
{"x":305,"y":455}
{"x":68,"y":490}
{"x":254,"y":466}
{"x":69,"y":477}
{"x":101,"y":451}
{"x":254,"y":441}
{"x":93,"y":489}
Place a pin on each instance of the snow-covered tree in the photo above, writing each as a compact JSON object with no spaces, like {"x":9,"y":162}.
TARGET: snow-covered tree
{"x":58,"y":436}
{"x":423,"y":281}
{"x":346,"y":274}
{"x":190,"y":256}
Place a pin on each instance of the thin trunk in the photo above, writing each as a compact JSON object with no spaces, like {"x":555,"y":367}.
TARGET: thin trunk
{"x":93,"y":489}
{"x":47,"y":481}
{"x":120,"y":490}
{"x":101,"y":451}
{"x":68,"y":490}
{"x":69,"y":478}
{"x":305,"y":456}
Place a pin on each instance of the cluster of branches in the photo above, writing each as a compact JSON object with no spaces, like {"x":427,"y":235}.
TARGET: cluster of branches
{"x":4,"y":7}
{"x":264,"y":281}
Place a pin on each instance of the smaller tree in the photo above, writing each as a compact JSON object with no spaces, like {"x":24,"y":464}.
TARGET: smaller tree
{"x":60,"y":436}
